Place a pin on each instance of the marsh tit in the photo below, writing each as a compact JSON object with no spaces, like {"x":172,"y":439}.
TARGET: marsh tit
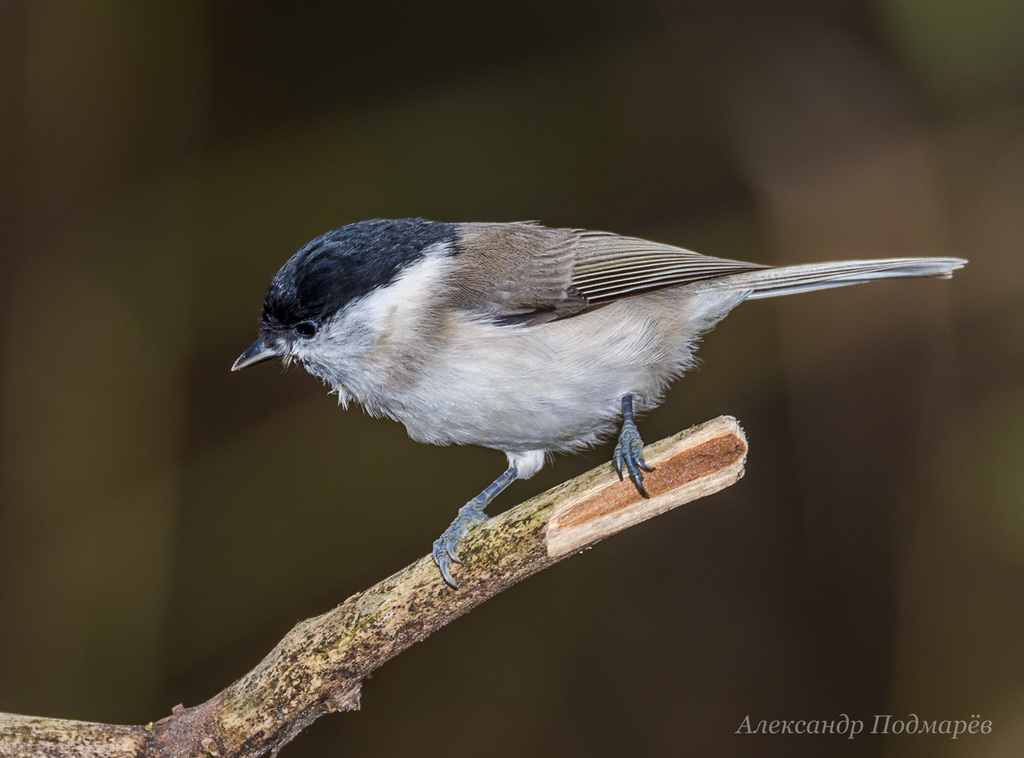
{"x":515,"y":336}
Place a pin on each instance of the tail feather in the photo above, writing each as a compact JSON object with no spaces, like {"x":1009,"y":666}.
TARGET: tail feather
{"x":772,"y":282}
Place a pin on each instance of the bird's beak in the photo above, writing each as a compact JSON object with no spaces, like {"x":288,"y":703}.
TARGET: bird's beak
{"x":257,"y":352}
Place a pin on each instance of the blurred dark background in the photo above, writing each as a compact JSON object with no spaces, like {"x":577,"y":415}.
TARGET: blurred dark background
{"x":164,"y":522}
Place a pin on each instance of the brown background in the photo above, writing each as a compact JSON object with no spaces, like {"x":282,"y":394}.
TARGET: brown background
{"x":163,"y":522}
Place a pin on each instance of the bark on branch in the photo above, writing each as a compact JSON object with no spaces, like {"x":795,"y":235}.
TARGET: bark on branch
{"x":319,"y":665}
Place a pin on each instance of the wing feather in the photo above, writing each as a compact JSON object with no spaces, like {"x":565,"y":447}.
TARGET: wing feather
{"x":608,"y":267}
{"x":527,"y":273}
{"x":516,"y":272}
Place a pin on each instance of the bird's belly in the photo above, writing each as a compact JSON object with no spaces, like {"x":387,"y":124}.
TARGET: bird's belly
{"x":533,"y":414}
{"x":557,"y":386}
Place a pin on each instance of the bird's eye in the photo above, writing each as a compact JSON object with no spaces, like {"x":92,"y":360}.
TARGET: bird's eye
{"x":306,"y":329}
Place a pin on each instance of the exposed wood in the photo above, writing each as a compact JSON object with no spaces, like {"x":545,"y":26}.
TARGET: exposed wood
{"x":688,"y":466}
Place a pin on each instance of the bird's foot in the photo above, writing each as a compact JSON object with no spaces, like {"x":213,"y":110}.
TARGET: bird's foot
{"x":629,"y":455}
{"x":447,"y":545}
{"x":472,"y":513}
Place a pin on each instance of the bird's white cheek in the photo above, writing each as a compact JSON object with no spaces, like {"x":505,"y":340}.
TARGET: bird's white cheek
{"x":335,"y":353}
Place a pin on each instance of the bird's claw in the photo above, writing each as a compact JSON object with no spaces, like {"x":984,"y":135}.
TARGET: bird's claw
{"x":446,"y":546}
{"x":629,"y":456}
{"x":472,"y":513}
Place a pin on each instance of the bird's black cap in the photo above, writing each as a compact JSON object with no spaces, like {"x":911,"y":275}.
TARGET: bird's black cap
{"x":347,"y":263}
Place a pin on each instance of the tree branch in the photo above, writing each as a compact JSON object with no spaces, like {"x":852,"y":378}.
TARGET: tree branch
{"x":319,"y":666}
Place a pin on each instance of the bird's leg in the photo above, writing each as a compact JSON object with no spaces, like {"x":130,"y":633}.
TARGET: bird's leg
{"x":471,"y":514}
{"x":629,"y":451}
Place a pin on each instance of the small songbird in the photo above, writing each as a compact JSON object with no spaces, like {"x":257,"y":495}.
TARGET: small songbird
{"x":515,"y":336}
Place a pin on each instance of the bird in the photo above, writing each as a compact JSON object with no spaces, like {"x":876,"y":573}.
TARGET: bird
{"x":526,"y":339}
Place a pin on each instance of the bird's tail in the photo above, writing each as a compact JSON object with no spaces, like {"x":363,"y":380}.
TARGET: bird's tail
{"x":786,"y":280}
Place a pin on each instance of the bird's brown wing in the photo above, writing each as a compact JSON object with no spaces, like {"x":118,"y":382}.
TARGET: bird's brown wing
{"x":608,"y":267}
{"x":527,"y":273}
